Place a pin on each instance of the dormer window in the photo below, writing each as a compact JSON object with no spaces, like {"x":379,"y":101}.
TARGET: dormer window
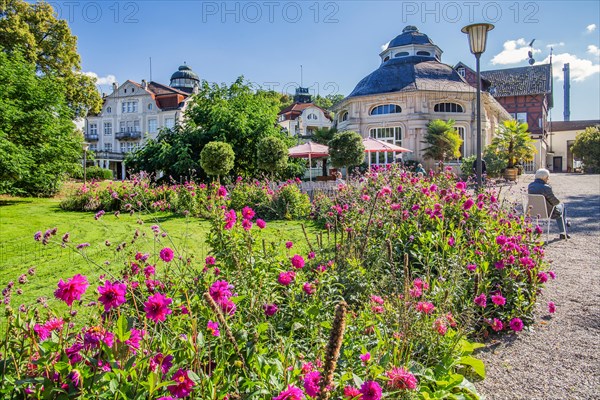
{"x":386,"y":109}
{"x":448,"y":108}
{"x":423,"y":53}
{"x":386,"y":59}
{"x":461,"y":71}
{"x":402,"y":54}
{"x":108,"y":110}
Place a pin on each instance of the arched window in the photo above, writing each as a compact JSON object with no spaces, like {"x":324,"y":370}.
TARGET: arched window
{"x":312,"y":116}
{"x":386,"y":109}
{"x":423,"y":53}
{"x":448,"y":108}
{"x":343,"y":116}
{"x":149,"y":106}
{"x":108,"y":110}
{"x":392,"y":135}
{"x":386,"y":59}
{"x":401,"y":54}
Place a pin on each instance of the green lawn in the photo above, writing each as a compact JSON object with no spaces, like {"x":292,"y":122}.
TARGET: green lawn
{"x":20,"y":218}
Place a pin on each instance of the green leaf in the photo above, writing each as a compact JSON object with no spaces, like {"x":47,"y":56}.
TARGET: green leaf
{"x":477,"y":365}
{"x":262,"y":327}
{"x":122,"y":332}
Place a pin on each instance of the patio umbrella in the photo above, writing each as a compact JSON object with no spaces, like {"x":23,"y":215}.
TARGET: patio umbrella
{"x":373,"y":145}
{"x":309,"y":150}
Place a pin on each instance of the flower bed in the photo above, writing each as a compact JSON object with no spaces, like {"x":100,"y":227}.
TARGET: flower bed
{"x":381,"y":305}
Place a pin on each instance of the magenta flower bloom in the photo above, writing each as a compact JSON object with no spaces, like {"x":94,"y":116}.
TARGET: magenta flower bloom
{"x":471,"y":267}
{"x":542,"y":277}
{"x":309,"y":288}
{"x":94,"y":336}
{"x":501,"y":240}
{"x":71,"y":290}
{"x":247,"y":224}
{"x":351,"y":392}
{"x":157,"y":307}
{"x":291,"y":393}
{"x":468,"y":204}
{"x":112,"y":295}
{"x":451,"y":241}
{"x":230,"y":219}
{"x":285,"y":278}
{"x":289,"y":245}
{"x":134,"y":340}
{"x":75,"y":377}
{"x":425,"y":307}
{"x":270,"y":309}
{"x":213,"y":328}
{"x":228,"y":306}
{"x":400,"y":378}
{"x":516,"y":324}
{"x":260,"y":223}
{"x":248,"y":213}
{"x":552,"y":274}
{"x":220,"y":291}
{"x":311,"y":383}
{"x":498,"y":300}
{"x":183,"y":384}
{"x":376,"y":299}
{"x":37,"y":236}
{"x":149,"y":271}
{"x":166,"y":254}
{"x":496,"y":325}
{"x":370,"y":390}
{"x":222,"y":192}
{"x":210,"y":260}
{"x":162,"y":362}
{"x":551,"y":307}
{"x":297,"y":261}
{"x":365,"y":358}
{"x":481,"y":300}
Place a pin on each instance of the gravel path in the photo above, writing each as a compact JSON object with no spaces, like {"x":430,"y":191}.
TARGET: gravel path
{"x":561,"y":358}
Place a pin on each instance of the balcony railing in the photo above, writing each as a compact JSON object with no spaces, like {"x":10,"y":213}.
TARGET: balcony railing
{"x":112,"y":155}
{"x":90,"y":137}
{"x":128,"y":135}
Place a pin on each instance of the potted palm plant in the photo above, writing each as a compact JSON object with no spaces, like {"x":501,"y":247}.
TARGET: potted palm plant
{"x":513,"y":143}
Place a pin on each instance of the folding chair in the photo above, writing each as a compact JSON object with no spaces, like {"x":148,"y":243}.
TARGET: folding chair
{"x":536,"y":207}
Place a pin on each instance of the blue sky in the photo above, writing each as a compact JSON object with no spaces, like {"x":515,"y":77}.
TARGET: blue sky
{"x":337,"y":42}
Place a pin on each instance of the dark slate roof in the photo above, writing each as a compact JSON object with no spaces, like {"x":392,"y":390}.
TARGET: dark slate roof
{"x":409,"y":74}
{"x":409,"y":35}
{"x":535,"y":79}
{"x":185,"y":72}
{"x":562,"y":126}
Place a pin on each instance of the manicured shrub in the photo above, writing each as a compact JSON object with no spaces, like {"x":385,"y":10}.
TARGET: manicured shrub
{"x":217,"y":158}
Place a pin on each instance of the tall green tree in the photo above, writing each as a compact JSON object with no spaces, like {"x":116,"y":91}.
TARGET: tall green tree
{"x":328,"y":101}
{"x":346,"y":149}
{"x":324,"y":135}
{"x":272,"y":155}
{"x":47,"y":42}
{"x":513,"y":142}
{"x":587,"y":147}
{"x":38,"y":140}
{"x":443,"y":141}
{"x":236,"y":114}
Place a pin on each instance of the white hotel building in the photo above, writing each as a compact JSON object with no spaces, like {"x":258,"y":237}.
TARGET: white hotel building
{"x":133,"y":113}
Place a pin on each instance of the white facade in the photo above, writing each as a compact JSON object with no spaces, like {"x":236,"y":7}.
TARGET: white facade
{"x":304,"y":120}
{"x":130,"y":116}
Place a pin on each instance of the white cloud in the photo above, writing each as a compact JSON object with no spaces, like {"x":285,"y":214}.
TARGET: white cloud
{"x":514,"y":52}
{"x":559,"y":44}
{"x":590,"y":28}
{"x":385,"y":46}
{"x":102,"y":80}
{"x":594,"y":50}
{"x":580,"y":67}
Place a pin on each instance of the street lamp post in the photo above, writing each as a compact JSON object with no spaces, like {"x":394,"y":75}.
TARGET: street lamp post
{"x":477,"y":39}
{"x":85,"y":146}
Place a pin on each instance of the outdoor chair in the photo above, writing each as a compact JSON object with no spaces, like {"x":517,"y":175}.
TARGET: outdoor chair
{"x":536,"y":208}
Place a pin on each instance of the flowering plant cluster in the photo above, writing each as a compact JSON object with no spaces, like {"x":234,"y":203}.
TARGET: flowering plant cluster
{"x":269,"y":200}
{"x":361,"y":311}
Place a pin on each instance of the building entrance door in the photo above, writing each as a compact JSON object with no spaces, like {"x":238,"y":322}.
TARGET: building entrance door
{"x":557,"y":164}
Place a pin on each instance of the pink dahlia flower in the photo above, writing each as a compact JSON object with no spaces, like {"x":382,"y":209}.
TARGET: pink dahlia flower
{"x":112,"y":295}
{"x":157,"y":307}
{"x":71,"y":290}
{"x":183,"y":384}
{"x":400,"y":378}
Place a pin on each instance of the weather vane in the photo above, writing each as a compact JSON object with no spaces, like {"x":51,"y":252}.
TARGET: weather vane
{"x":530,"y":53}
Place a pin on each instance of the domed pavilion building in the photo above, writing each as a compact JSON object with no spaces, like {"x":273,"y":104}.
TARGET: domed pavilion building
{"x":410,"y":88}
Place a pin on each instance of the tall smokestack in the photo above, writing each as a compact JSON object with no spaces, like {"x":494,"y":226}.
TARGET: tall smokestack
{"x":567,"y":87}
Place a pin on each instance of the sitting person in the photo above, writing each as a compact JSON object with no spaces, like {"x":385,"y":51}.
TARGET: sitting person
{"x":338,"y":178}
{"x":420,"y":169}
{"x":540,"y":186}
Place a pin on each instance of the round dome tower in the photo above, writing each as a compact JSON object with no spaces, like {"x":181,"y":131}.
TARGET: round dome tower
{"x":185,"y":79}
{"x":411,"y":42}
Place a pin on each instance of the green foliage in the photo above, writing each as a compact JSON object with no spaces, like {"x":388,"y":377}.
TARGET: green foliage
{"x":328,"y":101}
{"x":346,"y":149}
{"x":235,"y":114}
{"x":217,"y":158}
{"x":272,"y":154}
{"x":443,"y":140}
{"x":587,"y":147}
{"x":290,"y":203}
{"x":38,"y":140}
{"x":324,"y":135}
{"x":513,"y":143}
{"x":495,"y":162}
{"x":466,"y":166}
{"x":92,"y":172}
{"x":32,"y":31}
